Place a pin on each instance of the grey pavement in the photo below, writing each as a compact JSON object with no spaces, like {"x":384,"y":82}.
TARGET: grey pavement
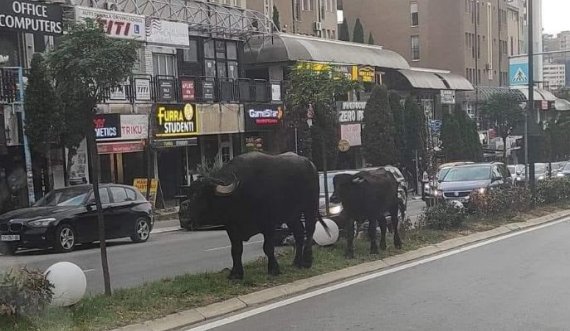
{"x":519,"y":283}
{"x":168,"y":253}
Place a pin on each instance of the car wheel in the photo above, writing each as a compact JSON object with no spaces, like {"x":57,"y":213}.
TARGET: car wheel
{"x":142,"y":230}
{"x":7,"y":249}
{"x":65,"y":238}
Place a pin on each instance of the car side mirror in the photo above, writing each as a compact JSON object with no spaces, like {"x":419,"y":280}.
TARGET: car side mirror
{"x":91,"y":205}
{"x":495,"y":179}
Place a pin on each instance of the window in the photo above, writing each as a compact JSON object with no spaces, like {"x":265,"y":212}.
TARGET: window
{"x":415,"y":41}
{"x":209,"y":49}
{"x":119,"y":194}
{"x":131,"y":195}
{"x":210,"y":68}
{"x":233,"y":70}
{"x":478,"y":46}
{"x":231,"y":47}
{"x":103,"y":194}
{"x":414,"y":13}
{"x":191,"y":54}
{"x":220,"y":49}
{"x":164,"y":64}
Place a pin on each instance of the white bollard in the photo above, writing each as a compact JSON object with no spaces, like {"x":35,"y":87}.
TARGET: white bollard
{"x":69,"y":283}
{"x":321,"y":237}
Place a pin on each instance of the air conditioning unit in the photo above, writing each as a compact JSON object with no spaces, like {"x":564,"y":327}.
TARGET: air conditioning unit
{"x":317,"y":26}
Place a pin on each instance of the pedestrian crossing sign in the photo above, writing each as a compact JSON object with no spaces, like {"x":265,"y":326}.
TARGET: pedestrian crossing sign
{"x":518,"y":73}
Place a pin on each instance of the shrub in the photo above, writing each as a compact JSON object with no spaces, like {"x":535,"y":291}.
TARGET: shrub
{"x":24,"y":292}
{"x":552,"y":191}
{"x":505,"y":202}
{"x":443,"y":216}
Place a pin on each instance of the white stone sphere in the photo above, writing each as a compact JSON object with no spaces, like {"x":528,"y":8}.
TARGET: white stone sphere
{"x":321,"y":237}
{"x":69,"y":283}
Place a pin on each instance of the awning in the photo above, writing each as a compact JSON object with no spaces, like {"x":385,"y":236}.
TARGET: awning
{"x":282,"y":47}
{"x":483,"y":93}
{"x":423,"y":79}
{"x":539,"y":95}
{"x":456,"y":82}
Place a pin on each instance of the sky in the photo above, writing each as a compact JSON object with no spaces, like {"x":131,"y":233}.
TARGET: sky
{"x":555,"y":15}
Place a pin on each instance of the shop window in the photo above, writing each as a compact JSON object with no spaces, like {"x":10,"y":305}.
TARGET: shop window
{"x":220,"y":49}
{"x":233,"y":68}
{"x":164,"y":64}
{"x":210,"y":68}
{"x":232,"y":53}
{"x":191,"y":54}
{"x":209,"y":49}
{"x":222,"y":70}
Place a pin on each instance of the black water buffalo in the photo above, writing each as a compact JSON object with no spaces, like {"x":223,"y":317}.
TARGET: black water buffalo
{"x":255,"y":193}
{"x":368,"y":195}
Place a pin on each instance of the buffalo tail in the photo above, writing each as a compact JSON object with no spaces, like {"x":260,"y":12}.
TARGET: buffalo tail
{"x":327,"y":229}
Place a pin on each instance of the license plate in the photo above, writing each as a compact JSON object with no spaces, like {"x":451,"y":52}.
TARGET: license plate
{"x":10,"y":237}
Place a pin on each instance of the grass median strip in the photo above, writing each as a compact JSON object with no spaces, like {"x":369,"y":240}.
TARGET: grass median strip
{"x":158,"y":299}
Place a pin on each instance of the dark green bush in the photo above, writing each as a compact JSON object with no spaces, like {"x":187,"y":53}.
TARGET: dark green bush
{"x":24,"y":292}
{"x":501,"y":202}
{"x":443,"y":216}
{"x":552,"y":191}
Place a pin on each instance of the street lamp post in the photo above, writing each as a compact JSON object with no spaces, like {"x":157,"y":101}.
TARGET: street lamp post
{"x":529,"y":165}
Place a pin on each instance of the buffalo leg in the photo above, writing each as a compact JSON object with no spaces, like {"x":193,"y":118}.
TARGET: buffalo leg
{"x":299,"y":234}
{"x":372,"y":235}
{"x":269,"y":250}
{"x":349,"y":252}
{"x":395,"y":221}
{"x":383,"y":227}
{"x":237,"y":251}
{"x":310,"y":223}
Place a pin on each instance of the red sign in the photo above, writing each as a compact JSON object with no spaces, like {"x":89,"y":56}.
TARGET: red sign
{"x":120,"y":147}
{"x":188,"y":90}
{"x":544,"y":105}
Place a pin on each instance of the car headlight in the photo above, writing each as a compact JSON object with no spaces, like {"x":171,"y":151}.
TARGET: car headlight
{"x":335,"y":210}
{"x":41,"y":223}
{"x":482,"y":190}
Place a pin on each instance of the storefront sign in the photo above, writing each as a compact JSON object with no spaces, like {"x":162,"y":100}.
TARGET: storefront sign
{"x":351,"y":111}
{"x":351,"y":133}
{"x":262,"y":116}
{"x":448,"y":97}
{"x":120,"y":147}
{"x":166,"y":32}
{"x":118,"y":93}
{"x":208,"y":90}
{"x":172,"y":143}
{"x":116,"y":24}
{"x":364,"y":74}
{"x":31,"y":16}
{"x":134,"y":127}
{"x":142,"y":185}
{"x":176,"y":120}
{"x":107,"y":126}
{"x":142,"y":89}
{"x":166,"y":90}
{"x":188,"y":90}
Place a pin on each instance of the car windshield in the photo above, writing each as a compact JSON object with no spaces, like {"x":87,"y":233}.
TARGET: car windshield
{"x":461,"y":174}
{"x":441,"y":174}
{"x":71,"y":196}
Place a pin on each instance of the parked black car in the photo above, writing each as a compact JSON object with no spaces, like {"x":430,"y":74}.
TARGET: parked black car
{"x":67,"y":217}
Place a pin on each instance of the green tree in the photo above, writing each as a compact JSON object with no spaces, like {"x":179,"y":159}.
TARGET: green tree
{"x":276,"y":18}
{"x":358,"y":34}
{"x":371,"y":39}
{"x":43,"y":116}
{"x":85,"y":66}
{"x":503,"y":113}
{"x":399,"y":126}
{"x":451,"y":138}
{"x":415,"y":130}
{"x":378,"y":132}
{"x":472,"y":149}
{"x":343,"y":33}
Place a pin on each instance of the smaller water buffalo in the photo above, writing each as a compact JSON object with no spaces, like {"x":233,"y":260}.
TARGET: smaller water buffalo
{"x":368,"y":195}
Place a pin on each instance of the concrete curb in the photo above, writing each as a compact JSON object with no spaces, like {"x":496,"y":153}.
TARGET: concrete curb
{"x":197,"y":315}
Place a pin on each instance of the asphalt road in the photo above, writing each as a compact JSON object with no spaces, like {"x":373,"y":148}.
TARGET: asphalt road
{"x":168,"y":253}
{"x":518,"y":283}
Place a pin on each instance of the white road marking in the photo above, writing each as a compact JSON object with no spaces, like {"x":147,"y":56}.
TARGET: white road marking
{"x":279,"y":304}
{"x":226,"y":247}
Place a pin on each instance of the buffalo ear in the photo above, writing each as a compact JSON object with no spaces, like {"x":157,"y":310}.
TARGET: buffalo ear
{"x":226,"y":190}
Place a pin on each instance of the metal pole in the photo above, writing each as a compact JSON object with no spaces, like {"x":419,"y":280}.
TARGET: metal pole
{"x":296,"y":140}
{"x":27,"y":154}
{"x":530,"y":169}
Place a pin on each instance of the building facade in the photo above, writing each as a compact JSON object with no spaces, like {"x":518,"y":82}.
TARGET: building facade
{"x":308,"y":17}
{"x":469,"y":38}
{"x":554,"y":76}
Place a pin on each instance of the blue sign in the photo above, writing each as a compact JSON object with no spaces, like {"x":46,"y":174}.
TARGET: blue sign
{"x":518,"y":73}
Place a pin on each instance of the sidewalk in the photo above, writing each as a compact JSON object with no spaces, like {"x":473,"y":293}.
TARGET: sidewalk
{"x":166,"y":226}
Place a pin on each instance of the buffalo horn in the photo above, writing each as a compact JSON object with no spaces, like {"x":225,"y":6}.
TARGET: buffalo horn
{"x":226,"y":189}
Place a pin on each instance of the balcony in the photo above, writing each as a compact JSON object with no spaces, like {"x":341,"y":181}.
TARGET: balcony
{"x":170,"y":89}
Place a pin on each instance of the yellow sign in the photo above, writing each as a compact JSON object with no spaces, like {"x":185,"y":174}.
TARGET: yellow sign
{"x":141,"y":185}
{"x":176,"y":120}
{"x":364,"y":74}
{"x":315,"y":66}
